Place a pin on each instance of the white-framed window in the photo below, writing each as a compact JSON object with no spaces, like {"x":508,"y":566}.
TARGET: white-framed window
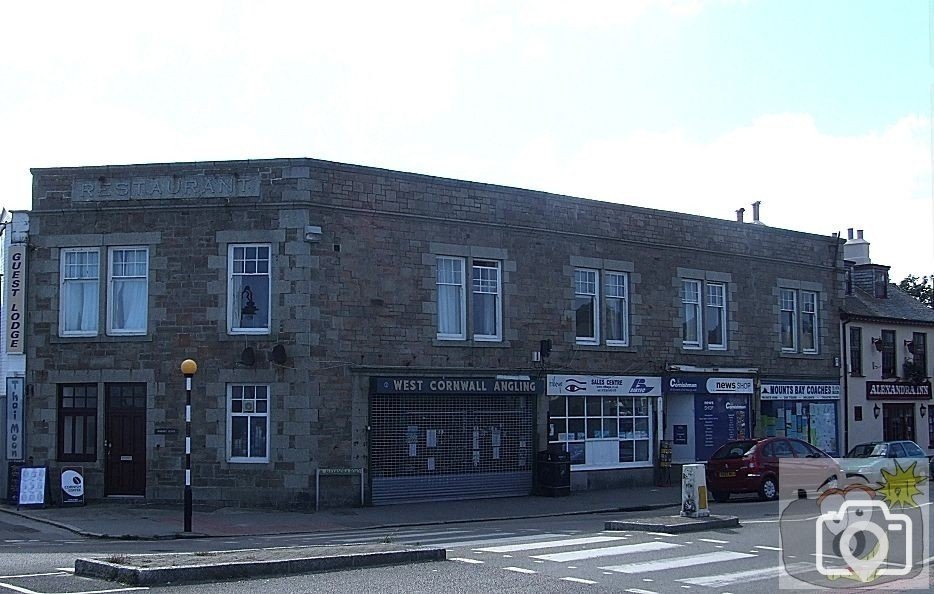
{"x":586,"y":306}
{"x":691,"y":324}
{"x":487,"y":300}
{"x":789,"y":322}
{"x":249,"y":286}
{"x":799,"y":321}
{"x":617,"y":308}
{"x":128,"y":290}
{"x":808,"y":322}
{"x":602,"y":432}
{"x":247,"y":423}
{"x":452,"y":299}
{"x":79,"y":302}
{"x":715,"y":316}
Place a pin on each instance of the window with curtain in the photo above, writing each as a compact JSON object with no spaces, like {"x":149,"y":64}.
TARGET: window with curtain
{"x":691,"y":322}
{"x":919,"y":351}
{"x":808,"y":322}
{"x":888,"y":354}
{"x":617,"y":309}
{"x":79,"y":299}
{"x":248,"y":423}
{"x":487,"y":304}
{"x":249,"y":286}
{"x":77,"y":422}
{"x":452,"y":310}
{"x":789,"y":321}
{"x":129,"y":290}
{"x":585,"y":306}
{"x":715,"y":316}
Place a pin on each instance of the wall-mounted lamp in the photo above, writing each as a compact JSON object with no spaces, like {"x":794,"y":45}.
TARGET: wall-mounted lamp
{"x":247,"y":357}
{"x":910,"y":345}
{"x":876,"y":410}
{"x":924,"y":409}
{"x":877,"y":342}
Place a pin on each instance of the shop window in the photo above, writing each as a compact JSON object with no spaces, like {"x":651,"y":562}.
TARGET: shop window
{"x":602,"y":431}
{"x":888,"y":354}
{"x":79,"y":298}
{"x":128,"y":291}
{"x":704,"y":321}
{"x":248,"y":423}
{"x":77,"y":422}
{"x":249,"y":288}
{"x":856,"y":351}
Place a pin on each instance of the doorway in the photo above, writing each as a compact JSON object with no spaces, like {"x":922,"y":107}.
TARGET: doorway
{"x":125,"y":439}
{"x":898,"y":421}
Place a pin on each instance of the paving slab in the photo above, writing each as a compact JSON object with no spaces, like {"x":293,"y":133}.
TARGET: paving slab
{"x":186,"y":568}
{"x":673,"y":524}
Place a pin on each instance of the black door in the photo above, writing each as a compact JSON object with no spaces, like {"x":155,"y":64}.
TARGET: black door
{"x":898,"y":421}
{"x":125,"y":439}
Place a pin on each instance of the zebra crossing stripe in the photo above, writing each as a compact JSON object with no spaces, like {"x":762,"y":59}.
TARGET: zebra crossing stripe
{"x":647,"y":547}
{"x":466,"y":560}
{"x":579,"y":580}
{"x":531,"y":546}
{"x":753,"y":575}
{"x":519,"y":570}
{"x":640,"y":591}
{"x":675,"y":562}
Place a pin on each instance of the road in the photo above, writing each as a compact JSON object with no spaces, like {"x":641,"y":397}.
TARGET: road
{"x":560,"y":554}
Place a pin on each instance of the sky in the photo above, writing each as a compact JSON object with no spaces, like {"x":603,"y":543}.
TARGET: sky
{"x":821,"y":110}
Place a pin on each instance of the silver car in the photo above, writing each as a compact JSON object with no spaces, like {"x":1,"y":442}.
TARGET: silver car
{"x":867,"y":460}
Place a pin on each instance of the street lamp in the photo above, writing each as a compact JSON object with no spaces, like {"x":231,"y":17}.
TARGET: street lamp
{"x":189,"y":368}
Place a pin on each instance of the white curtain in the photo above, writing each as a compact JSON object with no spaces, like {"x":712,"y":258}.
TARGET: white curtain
{"x":449,"y":309}
{"x":484,"y":314}
{"x":129,"y":304}
{"x":80,"y":305}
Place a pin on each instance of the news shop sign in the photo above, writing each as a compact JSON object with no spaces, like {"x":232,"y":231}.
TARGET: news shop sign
{"x":73,"y":486}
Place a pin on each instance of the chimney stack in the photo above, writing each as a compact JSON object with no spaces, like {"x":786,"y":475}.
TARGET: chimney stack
{"x":849,"y":233}
{"x":856,"y":249}
{"x":755,"y":211}
{"x":739,"y":215}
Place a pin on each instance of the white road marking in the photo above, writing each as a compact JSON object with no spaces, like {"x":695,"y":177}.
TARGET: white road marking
{"x":640,"y":591}
{"x":752,"y":575}
{"x":18,"y":589}
{"x":465,"y":560}
{"x":714,"y":540}
{"x":108,"y":591}
{"x":659,"y":533}
{"x":664,"y":564}
{"x":519,"y":570}
{"x":647,"y":547}
{"x":579,"y":580}
{"x":767,"y":548}
{"x":29,"y":575}
{"x":530,"y":546}
{"x":488,"y":541}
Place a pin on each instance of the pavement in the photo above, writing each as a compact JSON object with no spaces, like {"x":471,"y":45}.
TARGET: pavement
{"x":137,"y":519}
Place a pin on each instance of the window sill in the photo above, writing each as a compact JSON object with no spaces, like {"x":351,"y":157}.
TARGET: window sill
{"x":799,"y":355}
{"x":471,"y":343}
{"x":100,"y":339}
{"x":246,"y":461}
{"x":713,"y":353}
{"x":605,"y":348}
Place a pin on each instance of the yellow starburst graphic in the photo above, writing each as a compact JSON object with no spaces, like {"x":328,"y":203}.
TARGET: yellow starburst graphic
{"x":899,"y":489}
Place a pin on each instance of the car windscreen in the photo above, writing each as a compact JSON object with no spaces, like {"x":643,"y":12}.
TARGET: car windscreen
{"x":736,"y":449}
{"x":867,"y":450}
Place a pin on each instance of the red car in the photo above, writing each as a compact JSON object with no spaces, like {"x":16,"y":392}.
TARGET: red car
{"x":751,"y":466}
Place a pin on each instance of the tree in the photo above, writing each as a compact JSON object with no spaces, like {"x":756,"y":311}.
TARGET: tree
{"x":921,"y":289}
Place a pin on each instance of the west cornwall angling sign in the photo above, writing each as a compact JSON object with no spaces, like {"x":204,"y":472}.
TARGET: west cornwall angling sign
{"x":898,"y":391}
{"x":449,"y":385}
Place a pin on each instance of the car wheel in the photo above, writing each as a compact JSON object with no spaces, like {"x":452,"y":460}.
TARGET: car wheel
{"x":720,"y":496}
{"x":769,"y":489}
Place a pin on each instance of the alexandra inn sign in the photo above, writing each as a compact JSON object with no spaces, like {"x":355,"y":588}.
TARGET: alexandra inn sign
{"x":898,"y":391}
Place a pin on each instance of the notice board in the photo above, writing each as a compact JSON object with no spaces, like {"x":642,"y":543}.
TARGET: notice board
{"x":32,"y":485}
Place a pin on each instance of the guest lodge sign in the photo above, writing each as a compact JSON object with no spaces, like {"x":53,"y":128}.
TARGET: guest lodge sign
{"x":165,"y":187}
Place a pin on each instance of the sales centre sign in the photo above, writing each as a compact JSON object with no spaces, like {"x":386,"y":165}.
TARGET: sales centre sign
{"x":16,"y":299}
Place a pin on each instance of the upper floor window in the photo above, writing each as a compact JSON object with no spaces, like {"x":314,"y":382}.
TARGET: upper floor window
{"x":888,"y":354}
{"x":880,"y":284}
{"x":617,"y":308}
{"x":248,"y":423}
{"x":856,"y":351}
{"x":249,"y":287}
{"x":80,"y":299}
{"x":919,"y":352}
{"x":586,"y":312}
{"x":704,"y":320}
{"x":799,"y":321}
{"x":487,"y":302}
{"x":486,"y":299}
{"x":128,"y":289}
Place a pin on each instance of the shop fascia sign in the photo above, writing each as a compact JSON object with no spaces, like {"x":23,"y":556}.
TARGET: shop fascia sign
{"x":455,"y":385}
{"x":792,"y":390}
{"x":16,"y":299}
{"x":898,"y":391}
{"x":604,"y":385}
{"x":693,"y":384}
{"x":15,"y":411}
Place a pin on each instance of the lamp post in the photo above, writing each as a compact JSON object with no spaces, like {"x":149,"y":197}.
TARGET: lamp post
{"x":189,"y":368}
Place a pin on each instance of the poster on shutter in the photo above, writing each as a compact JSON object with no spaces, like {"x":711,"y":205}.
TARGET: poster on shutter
{"x":431,"y":438}
{"x":495,"y":441}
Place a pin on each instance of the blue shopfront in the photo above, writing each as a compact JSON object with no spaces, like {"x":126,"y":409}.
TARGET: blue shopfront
{"x":702,"y":412}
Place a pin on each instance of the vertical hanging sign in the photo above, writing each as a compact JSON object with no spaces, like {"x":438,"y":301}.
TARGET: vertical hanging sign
{"x":16,"y":299}
{"x":15,"y":412}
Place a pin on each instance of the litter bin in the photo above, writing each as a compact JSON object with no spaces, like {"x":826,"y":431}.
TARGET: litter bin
{"x":554,"y":473}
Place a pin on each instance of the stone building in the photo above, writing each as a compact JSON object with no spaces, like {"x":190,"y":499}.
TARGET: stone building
{"x":435,"y":333}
